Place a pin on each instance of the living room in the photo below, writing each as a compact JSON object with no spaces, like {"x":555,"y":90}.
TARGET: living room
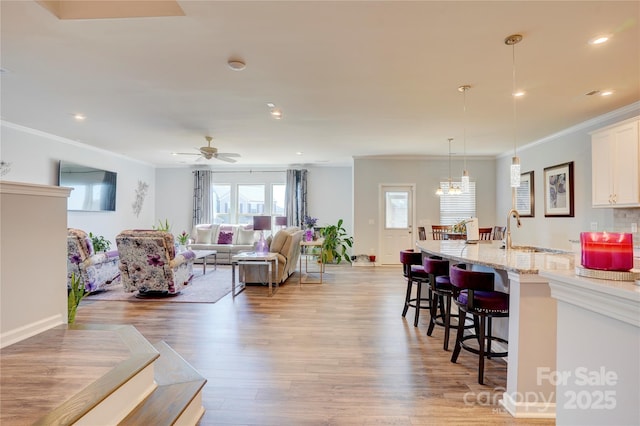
{"x":411,"y":107}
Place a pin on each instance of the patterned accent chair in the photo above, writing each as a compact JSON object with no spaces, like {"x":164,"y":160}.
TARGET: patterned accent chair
{"x":96,"y":270}
{"x":149,"y":264}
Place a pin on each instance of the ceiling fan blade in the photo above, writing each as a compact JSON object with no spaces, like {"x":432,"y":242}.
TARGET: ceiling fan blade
{"x":223,"y":158}
{"x":185,"y":153}
{"x":229,"y":154}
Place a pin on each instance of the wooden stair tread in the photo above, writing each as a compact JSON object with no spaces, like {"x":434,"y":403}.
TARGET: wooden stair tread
{"x":178,"y":384}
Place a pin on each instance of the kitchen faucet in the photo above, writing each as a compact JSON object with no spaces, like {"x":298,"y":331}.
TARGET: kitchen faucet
{"x":514,"y":213}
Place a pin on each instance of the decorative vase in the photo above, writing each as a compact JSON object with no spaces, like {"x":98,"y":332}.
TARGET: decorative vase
{"x":308,"y":235}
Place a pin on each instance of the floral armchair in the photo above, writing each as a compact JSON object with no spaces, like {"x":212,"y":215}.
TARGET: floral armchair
{"x":149,"y":264}
{"x":96,"y":270}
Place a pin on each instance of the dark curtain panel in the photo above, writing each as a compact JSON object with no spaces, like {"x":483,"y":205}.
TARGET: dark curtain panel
{"x":296,"y":197}
{"x":202,"y":209}
{"x":108,"y":200}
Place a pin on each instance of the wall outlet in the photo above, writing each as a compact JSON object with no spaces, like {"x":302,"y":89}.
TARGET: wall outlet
{"x":594,"y":226}
{"x":634,"y":227}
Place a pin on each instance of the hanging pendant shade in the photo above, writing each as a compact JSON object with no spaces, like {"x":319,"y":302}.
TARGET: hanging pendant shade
{"x":512,"y":40}
{"x":451,"y":188}
{"x":464,"y":181}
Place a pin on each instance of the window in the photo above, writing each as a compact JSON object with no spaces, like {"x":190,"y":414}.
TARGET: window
{"x":250,"y":203}
{"x":237,"y":203}
{"x":397,"y":210}
{"x":454,"y":208}
{"x":221,"y":201}
{"x":277,"y":199}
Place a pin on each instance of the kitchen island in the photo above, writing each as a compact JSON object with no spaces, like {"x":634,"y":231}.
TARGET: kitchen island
{"x":598,"y":350}
{"x":532,"y":316}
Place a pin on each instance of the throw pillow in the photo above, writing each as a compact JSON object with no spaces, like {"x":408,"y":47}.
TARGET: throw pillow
{"x":278,"y":241}
{"x":225,"y":237}
{"x":203,"y":236}
{"x":245,"y":236}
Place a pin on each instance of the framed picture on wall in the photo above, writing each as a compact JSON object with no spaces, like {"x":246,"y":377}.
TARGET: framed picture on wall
{"x":525,"y":201}
{"x":558,"y":190}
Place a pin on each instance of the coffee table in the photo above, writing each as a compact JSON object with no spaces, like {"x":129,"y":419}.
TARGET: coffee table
{"x":253,"y":258}
{"x":203,"y":254}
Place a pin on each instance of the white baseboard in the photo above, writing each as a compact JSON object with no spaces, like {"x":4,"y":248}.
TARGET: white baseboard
{"x":17,"y":334}
{"x":531,"y":410}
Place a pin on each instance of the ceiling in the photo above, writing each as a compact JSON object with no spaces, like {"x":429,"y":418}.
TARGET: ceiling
{"x":352,"y":78}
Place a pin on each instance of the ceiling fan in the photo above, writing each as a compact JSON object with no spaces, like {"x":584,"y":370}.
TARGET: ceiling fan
{"x":208,"y":152}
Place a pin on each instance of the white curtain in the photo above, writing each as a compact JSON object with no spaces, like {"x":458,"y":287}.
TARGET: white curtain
{"x":296,"y":197}
{"x":202,"y":208}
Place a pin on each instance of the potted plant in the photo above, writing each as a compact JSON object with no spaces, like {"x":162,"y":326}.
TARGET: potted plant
{"x":310,"y":223}
{"x":163,"y":226}
{"x":75,"y":294}
{"x":100,"y":244}
{"x":336,"y":243}
{"x":183,"y":240}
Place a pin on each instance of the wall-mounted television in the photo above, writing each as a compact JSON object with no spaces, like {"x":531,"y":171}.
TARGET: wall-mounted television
{"x":93,"y":189}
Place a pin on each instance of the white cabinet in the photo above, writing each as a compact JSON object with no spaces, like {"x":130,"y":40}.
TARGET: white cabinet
{"x":615,"y":171}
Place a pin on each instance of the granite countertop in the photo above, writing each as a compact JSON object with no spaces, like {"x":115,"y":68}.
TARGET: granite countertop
{"x":623,"y":289}
{"x":489,"y":253}
{"x":554,"y":265}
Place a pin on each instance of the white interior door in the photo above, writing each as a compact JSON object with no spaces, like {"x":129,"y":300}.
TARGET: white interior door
{"x":396,"y":222}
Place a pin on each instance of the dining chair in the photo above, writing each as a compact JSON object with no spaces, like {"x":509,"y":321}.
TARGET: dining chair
{"x":498,"y":232}
{"x":485,"y":233}
{"x":439,"y":232}
{"x":422,"y":233}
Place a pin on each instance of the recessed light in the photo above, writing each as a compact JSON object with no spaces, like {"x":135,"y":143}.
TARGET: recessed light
{"x":276,"y":113}
{"x":606,"y":93}
{"x":299,"y":153}
{"x":599,"y":39}
{"x":271,"y":104}
{"x":519,"y":94}
{"x":236,"y":64}
{"x":80,"y":117}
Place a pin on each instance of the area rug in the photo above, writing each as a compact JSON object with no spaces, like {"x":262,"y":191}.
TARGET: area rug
{"x":208,"y":288}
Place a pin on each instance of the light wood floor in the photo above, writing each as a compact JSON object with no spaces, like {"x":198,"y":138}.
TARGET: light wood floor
{"x":333,"y":354}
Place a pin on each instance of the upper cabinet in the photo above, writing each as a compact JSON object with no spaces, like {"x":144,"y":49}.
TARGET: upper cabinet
{"x":615,"y":171}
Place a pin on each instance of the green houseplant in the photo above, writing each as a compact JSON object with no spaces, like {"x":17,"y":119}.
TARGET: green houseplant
{"x":99,"y":243}
{"x":336,"y":243}
{"x":75,"y":294}
{"x":163,"y":226}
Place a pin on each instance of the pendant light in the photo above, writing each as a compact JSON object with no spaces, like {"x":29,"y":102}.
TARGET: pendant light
{"x":452,"y":189}
{"x":512,"y":40}
{"x":464,"y":181}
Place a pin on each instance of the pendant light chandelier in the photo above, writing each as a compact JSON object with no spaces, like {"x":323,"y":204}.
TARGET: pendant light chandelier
{"x":464,"y":182}
{"x":512,"y":40}
{"x":451,"y":189}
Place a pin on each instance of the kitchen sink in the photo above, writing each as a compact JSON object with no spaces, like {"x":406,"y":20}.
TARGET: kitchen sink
{"x":528,"y":249}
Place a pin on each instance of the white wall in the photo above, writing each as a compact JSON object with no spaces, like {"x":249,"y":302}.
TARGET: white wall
{"x":426,"y":175}
{"x":330,"y":195}
{"x":570,"y":145}
{"x":34,"y":157}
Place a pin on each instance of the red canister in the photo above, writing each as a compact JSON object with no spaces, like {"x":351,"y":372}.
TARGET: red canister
{"x":608,"y":251}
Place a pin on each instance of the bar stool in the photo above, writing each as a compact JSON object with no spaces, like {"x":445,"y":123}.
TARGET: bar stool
{"x":441,"y":293}
{"x":413,"y":271}
{"x":473,"y":294}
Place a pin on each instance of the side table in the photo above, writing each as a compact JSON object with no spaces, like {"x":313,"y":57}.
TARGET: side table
{"x":253,"y":258}
{"x":304,"y":252}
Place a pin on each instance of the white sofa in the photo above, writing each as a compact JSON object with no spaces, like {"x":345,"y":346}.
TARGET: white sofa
{"x":228,"y":240}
